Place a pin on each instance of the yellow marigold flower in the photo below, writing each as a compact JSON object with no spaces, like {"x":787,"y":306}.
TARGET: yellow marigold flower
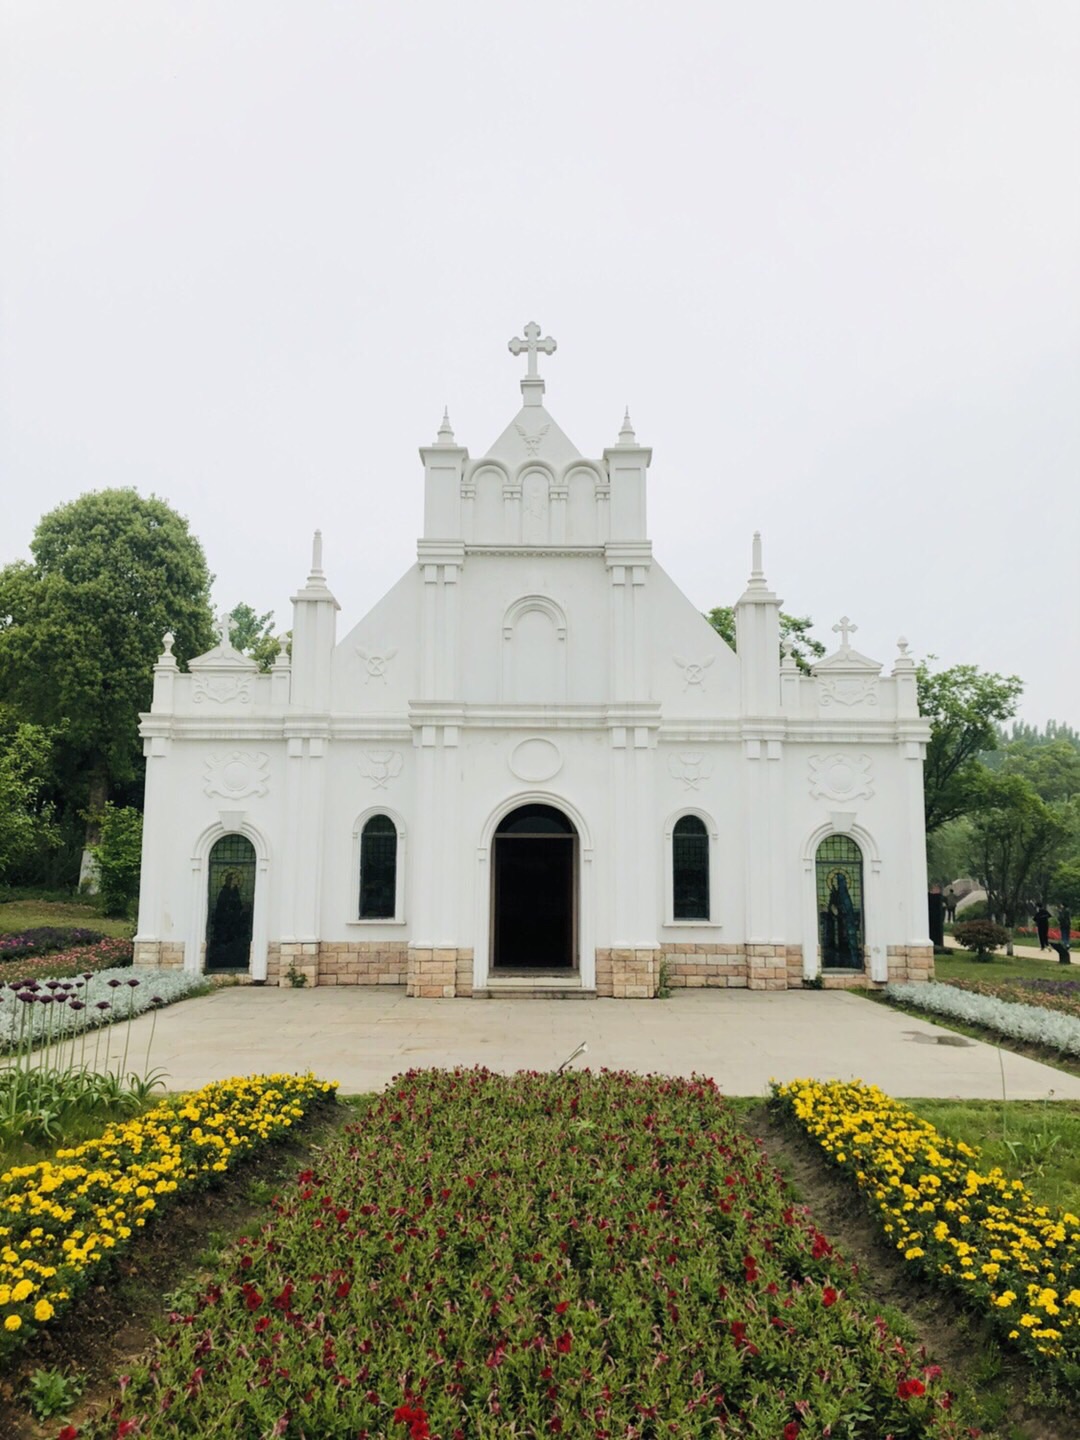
{"x":43,"y":1311}
{"x":12,"y":1323}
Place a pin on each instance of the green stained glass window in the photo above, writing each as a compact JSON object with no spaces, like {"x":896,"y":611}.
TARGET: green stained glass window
{"x":378,"y":869}
{"x":230,"y":903}
{"x":690,"y":869}
{"x":841,"y":914}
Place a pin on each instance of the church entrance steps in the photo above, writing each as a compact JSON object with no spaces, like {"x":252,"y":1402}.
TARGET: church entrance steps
{"x":534,"y":985}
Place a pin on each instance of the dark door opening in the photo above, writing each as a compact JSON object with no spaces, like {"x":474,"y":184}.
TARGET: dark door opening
{"x":535,"y":891}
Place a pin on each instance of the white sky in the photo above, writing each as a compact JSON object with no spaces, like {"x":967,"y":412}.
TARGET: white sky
{"x":828,"y":252}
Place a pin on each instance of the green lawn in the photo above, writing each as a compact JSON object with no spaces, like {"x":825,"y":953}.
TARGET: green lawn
{"x":1037,"y":1141}
{"x":28,"y":914}
{"x":962,"y":965}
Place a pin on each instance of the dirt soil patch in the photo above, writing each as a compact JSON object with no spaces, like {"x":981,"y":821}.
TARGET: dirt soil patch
{"x":962,"y":1342}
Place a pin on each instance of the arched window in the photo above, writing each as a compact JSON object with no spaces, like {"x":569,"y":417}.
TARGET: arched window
{"x":690,"y":869}
{"x":230,"y":903}
{"x":378,"y":868}
{"x":841,"y":917}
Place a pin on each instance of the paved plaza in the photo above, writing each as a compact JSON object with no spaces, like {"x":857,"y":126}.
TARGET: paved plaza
{"x":362,"y":1036}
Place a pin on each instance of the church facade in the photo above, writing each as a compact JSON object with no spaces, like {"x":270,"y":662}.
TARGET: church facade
{"x":534,"y":767}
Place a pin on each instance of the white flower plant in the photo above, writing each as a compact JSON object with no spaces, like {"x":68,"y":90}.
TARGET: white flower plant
{"x":1033,"y":1023}
{"x":45,"y":1011}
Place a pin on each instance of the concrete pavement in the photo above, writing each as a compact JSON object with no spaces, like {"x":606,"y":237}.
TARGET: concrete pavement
{"x":361,"y":1036}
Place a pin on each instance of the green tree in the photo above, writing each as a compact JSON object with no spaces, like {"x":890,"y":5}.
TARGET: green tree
{"x":26,"y":821}
{"x":965,"y":708}
{"x":1013,"y":831}
{"x":81,"y":626}
{"x":947,"y":852}
{"x":793,"y":628}
{"x":117,"y":856}
{"x":1064,"y":887}
{"x":253,"y":635}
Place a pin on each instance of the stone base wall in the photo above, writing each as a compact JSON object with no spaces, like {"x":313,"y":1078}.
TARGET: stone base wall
{"x":298,"y":959}
{"x":846,"y":980}
{"x":628,"y":974}
{"x":766,"y":967}
{"x":793,"y":962}
{"x":705,"y":967}
{"x":463,"y":982}
{"x":363,"y":962}
{"x":160,"y":954}
{"x":911,"y":962}
{"x":432,"y":974}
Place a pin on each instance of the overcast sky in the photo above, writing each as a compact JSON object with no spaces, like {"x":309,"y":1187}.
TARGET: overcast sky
{"x":827,"y":252}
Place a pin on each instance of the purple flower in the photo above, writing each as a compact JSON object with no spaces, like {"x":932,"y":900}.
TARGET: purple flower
{"x":27,"y":997}
{"x":132,"y":983}
{"x":76,"y":1005}
{"x":113,"y":983}
{"x":103,"y":1005}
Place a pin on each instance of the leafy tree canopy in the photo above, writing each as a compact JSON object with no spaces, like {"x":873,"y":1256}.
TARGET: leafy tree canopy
{"x":795,"y":628}
{"x":965,"y":708}
{"x":25,"y":814}
{"x":81,"y":624}
{"x":253,"y":635}
{"x":1013,"y":832}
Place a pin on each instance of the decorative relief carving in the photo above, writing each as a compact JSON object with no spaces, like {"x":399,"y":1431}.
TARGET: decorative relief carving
{"x":237,"y":774}
{"x":381,"y":766}
{"x":535,"y":759}
{"x":847,"y":690}
{"x":841,"y":777}
{"x":532,"y":442}
{"x":693,"y":671}
{"x":221,"y":689}
{"x":376,"y":662}
{"x":690,"y":767}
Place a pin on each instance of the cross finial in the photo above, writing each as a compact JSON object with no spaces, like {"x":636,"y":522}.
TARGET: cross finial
{"x":531,"y":344}
{"x":844,"y":630}
{"x":224,"y":623}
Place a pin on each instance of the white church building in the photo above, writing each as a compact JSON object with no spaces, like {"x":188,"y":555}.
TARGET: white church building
{"x":535,"y":768}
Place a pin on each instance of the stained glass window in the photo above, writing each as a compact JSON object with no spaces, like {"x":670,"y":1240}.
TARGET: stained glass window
{"x":841,"y":918}
{"x":378,"y":869}
{"x":690,"y":869}
{"x":230,"y":903}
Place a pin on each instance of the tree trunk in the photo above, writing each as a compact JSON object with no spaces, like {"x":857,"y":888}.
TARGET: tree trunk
{"x":95,"y":805}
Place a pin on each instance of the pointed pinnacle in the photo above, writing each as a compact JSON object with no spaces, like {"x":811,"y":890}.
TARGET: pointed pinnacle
{"x":626,"y":434}
{"x":446,"y":434}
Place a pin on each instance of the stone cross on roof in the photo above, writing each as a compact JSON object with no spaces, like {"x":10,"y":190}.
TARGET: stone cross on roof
{"x":532,"y":343}
{"x":845,"y":629}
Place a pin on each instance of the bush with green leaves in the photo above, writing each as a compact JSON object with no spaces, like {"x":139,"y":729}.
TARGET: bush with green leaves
{"x":118,"y":856}
{"x":982,"y":936}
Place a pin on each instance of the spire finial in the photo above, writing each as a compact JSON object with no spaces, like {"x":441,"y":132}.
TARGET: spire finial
{"x":903,"y":646}
{"x":446,"y":433}
{"x":168,"y":640}
{"x":626,"y":434}
{"x":756,"y":569}
{"x":316,"y":554}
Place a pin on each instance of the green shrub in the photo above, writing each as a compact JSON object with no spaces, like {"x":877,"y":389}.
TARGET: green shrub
{"x":979,"y":910}
{"x":118,"y":855}
{"x":982,"y":936}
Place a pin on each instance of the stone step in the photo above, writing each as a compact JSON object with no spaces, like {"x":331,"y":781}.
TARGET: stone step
{"x":533,"y":992}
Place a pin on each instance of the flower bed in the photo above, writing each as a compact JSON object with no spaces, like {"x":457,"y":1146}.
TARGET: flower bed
{"x":1018,"y":1021}
{"x":62,"y":1218}
{"x":44,"y":939}
{"x":106,"y":954}
{"x":982,"y":1232}
{"x":37,"y":1012}
{"x":1061,"y":995}
{"x":579,"y":1255}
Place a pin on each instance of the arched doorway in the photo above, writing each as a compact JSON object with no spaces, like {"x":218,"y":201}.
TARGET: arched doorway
{"x":534,"y":891}
{"x":840,"y":905}
{"x":230,"y":904}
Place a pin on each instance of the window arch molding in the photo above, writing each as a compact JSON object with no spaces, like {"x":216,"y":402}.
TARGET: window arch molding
{"x":554,"y":611}
{"x":713,"y":835}
{"x":401,"y":867}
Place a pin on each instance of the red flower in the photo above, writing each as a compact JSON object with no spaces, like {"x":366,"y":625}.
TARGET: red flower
{"x":829,"y":1296}
{"x":68,"y":1433}
{"x":909,"y":1389}
{"x":791,"y":1430}
{"x":562,"y":1307}
{"x":564,"y":1341}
